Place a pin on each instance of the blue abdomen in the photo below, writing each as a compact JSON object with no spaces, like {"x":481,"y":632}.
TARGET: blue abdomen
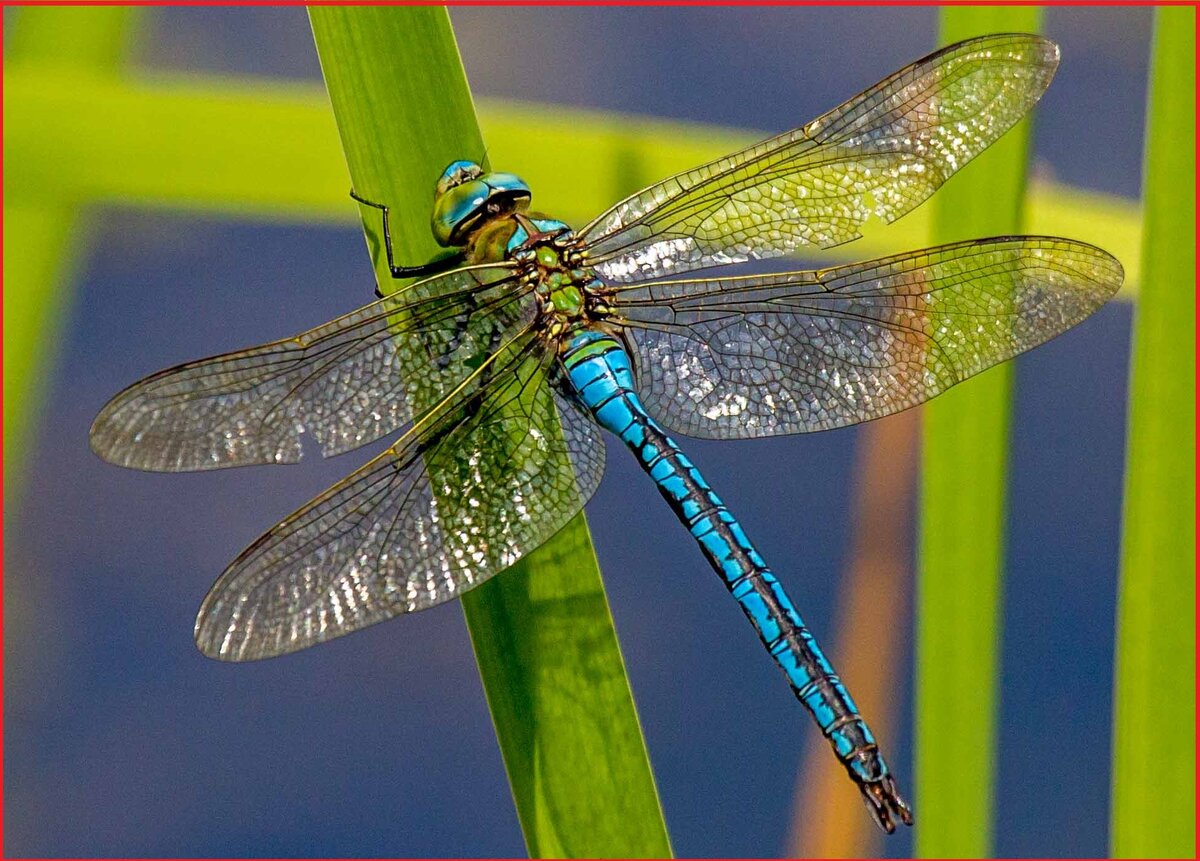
{"x":600,"y":371}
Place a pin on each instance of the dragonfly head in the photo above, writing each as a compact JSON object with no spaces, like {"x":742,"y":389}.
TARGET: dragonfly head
{"x":466,"y":197}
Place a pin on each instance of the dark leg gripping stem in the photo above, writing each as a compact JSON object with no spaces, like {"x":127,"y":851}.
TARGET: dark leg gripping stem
{"x":433,"y":267}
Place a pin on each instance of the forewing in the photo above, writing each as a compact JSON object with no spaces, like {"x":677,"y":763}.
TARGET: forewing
{"x":484,"y":479}
{"x":343,"y":382}
{"x":881,"y":153}
{"x":806,"y":351}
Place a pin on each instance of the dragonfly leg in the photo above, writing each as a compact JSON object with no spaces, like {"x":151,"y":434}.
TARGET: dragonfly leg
{"x":433,"y":267}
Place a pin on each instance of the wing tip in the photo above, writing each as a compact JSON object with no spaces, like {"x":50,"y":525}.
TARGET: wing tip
{"x":1037,"y":51}
{"x":103,"y":439}
{"x":128,"y":433}
{"x":122,"y":446}
{"x":218,"y":635}
{"x":101,"y":444}
{"x":211,"y":650}
{"x":1109,"y":269}
{"x":1048,"y":48}
{"x":221,"y":635}
{"x":211,"y":637}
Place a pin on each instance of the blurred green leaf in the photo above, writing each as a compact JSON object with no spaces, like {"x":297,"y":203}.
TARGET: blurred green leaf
{"x":542,"y":631}
{"x":237,"y":147}
{"x":95,"y":40}
{"x":962,"y":517}
{"x":45,"y":232}
{"x":1154,"y":745}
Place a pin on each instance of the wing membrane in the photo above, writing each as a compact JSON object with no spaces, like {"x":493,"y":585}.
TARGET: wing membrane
{"x":344,"y":382}
{"x":806,"y":351}
{"x":882,"y":153}
{"x":487,"y":477}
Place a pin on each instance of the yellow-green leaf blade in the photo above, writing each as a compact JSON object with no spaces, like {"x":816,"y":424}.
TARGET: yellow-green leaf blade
{"x":962,"y":517}
{"x":235,"y":147}
{"x":1154,"y":747}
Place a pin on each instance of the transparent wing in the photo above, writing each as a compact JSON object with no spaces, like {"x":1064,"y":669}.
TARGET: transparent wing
{"x":881,"y":153}
{"x":805,"y":351}
{"x":343,"y":382}
{"x":484,"y":479}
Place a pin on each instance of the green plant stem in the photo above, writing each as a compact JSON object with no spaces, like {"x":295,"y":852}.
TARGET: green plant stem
{"x":962,"y":518}
{"x":1154,"y":747}
{"x":542,"y":631}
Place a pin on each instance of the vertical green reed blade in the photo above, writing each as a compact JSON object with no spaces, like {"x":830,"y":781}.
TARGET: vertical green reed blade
{"x":1154,"y":748}
{"x":962,"y":517}
{"x":542,"y":631}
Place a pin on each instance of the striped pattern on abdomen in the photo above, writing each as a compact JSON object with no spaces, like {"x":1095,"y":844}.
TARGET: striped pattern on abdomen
{"x":599,"y":369}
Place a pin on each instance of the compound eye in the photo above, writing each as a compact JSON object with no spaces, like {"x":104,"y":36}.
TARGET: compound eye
{"x":457,"y":173}
{"x":457,"y":210}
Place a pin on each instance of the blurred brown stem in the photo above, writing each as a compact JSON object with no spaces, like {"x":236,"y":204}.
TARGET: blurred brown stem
{"x":828,"y":820}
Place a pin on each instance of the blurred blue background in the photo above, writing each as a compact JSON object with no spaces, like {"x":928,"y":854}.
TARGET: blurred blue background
{"x":121,"y":739}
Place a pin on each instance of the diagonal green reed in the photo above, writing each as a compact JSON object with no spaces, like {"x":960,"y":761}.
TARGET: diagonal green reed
{"x":962,"y":518}
{"x":1154,"y":748}
{"x":542,"y":631}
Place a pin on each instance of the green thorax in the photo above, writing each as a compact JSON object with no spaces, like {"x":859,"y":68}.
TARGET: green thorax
{"x":543,"y":246}
{"x":561,"y":287}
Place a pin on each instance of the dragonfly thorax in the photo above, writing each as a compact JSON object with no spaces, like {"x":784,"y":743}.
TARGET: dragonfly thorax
{"x":568,"y":293}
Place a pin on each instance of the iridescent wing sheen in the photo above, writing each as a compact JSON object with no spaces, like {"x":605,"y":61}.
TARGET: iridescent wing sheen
{"x":343,"y":382}
{"x":882,"y":153}
{"x":486,"y":477}
{"x":805,"y":351}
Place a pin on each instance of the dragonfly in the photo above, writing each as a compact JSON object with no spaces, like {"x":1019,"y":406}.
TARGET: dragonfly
{"x":505,"y":361}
